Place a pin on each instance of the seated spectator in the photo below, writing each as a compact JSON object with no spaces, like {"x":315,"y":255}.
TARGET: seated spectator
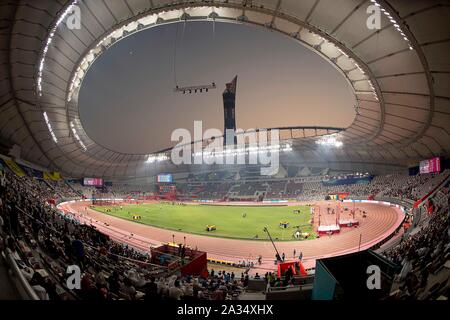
{"x":175,"y":292}
{"x":114,"y":282}
{"x":151,"y":290}
{"x":128,"y":289}
{"x":278,"y":283}
{"x":38,"y":283}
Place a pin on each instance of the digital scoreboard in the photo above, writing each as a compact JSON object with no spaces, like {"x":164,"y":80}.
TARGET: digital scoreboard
{"x":96,"y":182}
{"x":431,"y":165}
{"x":164,"y":178}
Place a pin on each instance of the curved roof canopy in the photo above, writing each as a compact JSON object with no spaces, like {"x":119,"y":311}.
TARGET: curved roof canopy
{"x":399,"y":72}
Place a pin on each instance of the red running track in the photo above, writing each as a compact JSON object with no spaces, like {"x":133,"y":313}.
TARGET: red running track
{"x":381,"y":221}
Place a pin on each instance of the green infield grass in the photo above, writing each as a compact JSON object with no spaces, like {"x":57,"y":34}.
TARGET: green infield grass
{"x":242,"y":222}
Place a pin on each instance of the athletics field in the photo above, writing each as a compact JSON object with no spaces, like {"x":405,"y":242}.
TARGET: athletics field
{"x":241,"y":222}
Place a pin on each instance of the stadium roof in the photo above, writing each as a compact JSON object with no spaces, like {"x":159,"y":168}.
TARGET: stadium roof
{"x":400,"y":72}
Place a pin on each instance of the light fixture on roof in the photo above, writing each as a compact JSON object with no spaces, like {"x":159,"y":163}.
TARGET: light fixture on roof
{"x":373,"y":89}
{"x":77,"y":137}
{"x":396,"y":25}
{"x":47,"y":45}
{"x":330,"y":141}
{"x":49,"y":126}
{"x":237,"y":151}
{"x":157,"y":158}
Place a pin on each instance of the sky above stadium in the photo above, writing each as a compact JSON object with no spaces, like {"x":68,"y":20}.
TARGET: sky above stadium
{"x":128,"y":104}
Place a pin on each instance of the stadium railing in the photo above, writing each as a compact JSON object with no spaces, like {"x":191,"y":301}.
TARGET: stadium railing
{"x":406,"y":203}
{"x":302,"y":292}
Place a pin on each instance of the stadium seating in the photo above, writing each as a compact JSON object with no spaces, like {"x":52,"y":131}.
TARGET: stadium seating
{"x":424,"y":253}
{"x":43,"y":241}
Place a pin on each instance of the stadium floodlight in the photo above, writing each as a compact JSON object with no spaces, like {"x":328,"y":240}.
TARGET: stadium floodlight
{"x":77,"y":137}
{"x":330,"y":141}
{"x":285,"y":147}
{"x":157,"y":158}
{"x":49,"y":126}
{"x":47,"y":45}
{"x":394,"y":22}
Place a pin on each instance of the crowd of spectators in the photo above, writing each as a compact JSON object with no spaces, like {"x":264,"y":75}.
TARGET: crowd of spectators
{"x":248,"y":188}
{"x":403,"y":186}
{"x":424,"y":251}
{"x":398,"y":185}
{"x":40,"y":236}
{"x":217,"y":286}
{"x":62,"y":189}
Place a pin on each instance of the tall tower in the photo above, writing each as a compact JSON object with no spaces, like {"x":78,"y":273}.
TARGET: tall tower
{"x":229,"y":104}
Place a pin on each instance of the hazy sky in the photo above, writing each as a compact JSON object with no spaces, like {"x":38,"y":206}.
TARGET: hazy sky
{"x":127,"y":101}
